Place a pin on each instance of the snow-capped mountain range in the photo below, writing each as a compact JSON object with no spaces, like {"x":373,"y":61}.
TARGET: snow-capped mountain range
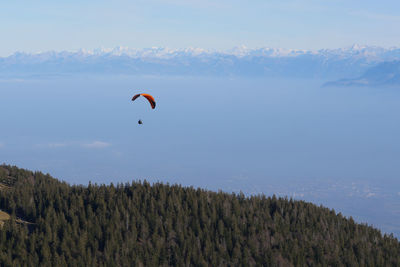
{"x":355,"y":51}
{"x":325,"y":64}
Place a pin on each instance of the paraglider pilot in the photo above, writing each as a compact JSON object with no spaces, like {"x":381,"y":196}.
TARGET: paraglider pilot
{"x":149,"y":98}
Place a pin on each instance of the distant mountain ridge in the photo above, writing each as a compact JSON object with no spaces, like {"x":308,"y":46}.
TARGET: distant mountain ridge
{"x":271,"y":62}
{"x":240,"y":51}
{"x":383,"y":74}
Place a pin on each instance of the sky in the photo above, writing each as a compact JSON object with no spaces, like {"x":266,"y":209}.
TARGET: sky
{"x":43,"y":25}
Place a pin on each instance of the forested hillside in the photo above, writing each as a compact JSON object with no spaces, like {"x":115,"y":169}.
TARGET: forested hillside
{"x":139,"y":224}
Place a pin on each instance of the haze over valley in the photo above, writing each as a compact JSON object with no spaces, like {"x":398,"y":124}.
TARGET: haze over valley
{"x":333,"y":145}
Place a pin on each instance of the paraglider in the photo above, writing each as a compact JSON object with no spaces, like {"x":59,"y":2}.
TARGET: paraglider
{"x":149,"y":98}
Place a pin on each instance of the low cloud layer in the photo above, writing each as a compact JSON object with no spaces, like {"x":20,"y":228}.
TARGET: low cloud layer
{"x":53,"y":145}
{"x":57,"y":145}
{"x":97,"y":144}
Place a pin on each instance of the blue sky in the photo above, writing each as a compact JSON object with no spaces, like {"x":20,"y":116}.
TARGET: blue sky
{"x":42,"y":25}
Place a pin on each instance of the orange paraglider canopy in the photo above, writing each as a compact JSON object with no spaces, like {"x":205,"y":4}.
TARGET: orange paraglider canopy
{"x":150,"y":98}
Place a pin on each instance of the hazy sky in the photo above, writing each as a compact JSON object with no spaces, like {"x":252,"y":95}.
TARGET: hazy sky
{"x":41,"y":25}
